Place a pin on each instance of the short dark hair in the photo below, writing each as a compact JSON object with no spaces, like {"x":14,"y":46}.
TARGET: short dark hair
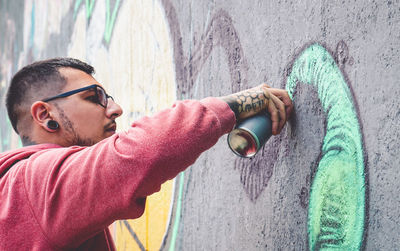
{"x":37,"y":79}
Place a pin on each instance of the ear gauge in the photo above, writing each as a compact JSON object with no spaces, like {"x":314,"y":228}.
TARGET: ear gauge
{"x":52,"y":125}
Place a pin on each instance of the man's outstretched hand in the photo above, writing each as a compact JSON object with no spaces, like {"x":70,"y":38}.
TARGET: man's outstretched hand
{"x":249,"y":102}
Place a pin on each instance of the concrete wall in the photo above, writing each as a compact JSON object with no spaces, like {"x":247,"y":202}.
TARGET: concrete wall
{"x":330,"y":179}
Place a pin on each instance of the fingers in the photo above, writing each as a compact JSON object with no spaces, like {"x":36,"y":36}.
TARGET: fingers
{"x":249,"y":102}
{"x":280,"y":107}
{"x":288,"y":105}
{"x":273,"y":111}
{"x":281,"y":112}
{"x":283,"y":95}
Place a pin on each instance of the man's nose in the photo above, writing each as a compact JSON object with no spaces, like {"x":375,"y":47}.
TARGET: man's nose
{"x":113,"y":110}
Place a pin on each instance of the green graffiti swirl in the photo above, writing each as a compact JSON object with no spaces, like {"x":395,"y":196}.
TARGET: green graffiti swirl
{"x":337,"y":199}
{"x":110,"y":19}
{"x":111,"y":15}
{"x":89,"y":7}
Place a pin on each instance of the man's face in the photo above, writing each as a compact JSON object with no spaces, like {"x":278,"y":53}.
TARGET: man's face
{"x":82,"y":120}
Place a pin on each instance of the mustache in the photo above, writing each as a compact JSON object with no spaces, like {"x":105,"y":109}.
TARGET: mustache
{"x":110,"y":124}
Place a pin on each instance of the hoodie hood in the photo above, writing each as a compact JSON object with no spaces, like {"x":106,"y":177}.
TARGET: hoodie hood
{"x":9,"y":158}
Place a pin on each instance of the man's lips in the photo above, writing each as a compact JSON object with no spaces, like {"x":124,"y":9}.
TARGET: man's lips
{"x":111,"y":127}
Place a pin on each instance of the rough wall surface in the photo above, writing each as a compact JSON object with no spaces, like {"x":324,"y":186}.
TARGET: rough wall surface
{"x":329,"y":180}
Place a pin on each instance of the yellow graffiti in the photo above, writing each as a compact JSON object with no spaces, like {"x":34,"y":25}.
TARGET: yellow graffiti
{"x":137,"y":69}
{"x":151,"y":227}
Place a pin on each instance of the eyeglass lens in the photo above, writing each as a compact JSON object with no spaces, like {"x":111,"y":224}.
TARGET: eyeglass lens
{"x":102,"y":97}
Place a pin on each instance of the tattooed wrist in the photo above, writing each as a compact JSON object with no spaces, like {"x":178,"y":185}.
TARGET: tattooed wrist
{"x":233,"y":105}
{"x":246,"y":102}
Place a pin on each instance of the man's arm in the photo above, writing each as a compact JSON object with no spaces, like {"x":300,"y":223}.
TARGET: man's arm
{"x":78,"y":191}
{"x":252,"y":101}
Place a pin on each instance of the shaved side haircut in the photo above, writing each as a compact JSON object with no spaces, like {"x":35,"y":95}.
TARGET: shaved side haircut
{"x":37,"y":81}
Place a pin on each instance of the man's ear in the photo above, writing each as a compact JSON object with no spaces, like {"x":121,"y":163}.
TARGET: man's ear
{"x":41,"y":114}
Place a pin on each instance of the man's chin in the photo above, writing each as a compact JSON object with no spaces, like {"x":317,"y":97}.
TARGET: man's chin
{"x":84,"y":142}
{"x":109,"y":133}
{"x":91,"y":142}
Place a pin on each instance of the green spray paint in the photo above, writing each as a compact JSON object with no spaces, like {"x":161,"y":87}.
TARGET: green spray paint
{"x":110,"y":19}
{"x":178,"y":212}
{"x":110,"y":15}
{"x":76,"y":7}
{"x":89,"y":7}
{"x":337,"y":199}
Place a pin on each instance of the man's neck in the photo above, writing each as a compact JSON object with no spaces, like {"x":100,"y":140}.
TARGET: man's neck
{"x":26,"y":141}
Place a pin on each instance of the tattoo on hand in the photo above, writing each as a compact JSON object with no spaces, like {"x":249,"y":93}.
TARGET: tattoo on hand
{"x":247,"y":102}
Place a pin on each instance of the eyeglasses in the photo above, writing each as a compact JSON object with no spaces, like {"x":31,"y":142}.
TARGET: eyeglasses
{"x":101,"y":97}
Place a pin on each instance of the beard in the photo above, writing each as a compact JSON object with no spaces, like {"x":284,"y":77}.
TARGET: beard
{"x":75,"y":138}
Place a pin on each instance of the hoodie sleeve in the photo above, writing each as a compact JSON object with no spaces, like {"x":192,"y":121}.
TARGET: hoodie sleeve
{"x":76,"y":192}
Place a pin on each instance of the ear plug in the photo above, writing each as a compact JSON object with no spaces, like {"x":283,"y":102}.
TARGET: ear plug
{"x":53,"y":125}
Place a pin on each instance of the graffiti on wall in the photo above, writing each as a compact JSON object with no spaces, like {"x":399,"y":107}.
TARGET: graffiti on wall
{"x":111,"y":14}
{"x":10,"y":46}
{"x":220,"y":32}
{"x":336,"y":202}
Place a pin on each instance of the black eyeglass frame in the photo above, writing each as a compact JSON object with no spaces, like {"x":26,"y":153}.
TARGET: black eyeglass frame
{"x":95,"y":87}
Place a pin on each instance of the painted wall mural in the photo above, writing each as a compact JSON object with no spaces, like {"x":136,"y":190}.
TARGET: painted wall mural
{"x":9,"y":47}
{"x":337,"y":198}
{"x":111,"y":14}
{"x":150,"y":53}
{"x":336,"y":210}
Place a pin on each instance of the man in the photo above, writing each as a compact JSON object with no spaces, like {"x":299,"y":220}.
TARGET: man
{"x":76,"y":175}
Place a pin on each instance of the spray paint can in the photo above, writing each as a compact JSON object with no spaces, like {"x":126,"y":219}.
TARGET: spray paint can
{"x":250,"y":135}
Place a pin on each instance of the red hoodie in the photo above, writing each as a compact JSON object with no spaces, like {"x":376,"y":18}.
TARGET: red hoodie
{"x":57,"y":198}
